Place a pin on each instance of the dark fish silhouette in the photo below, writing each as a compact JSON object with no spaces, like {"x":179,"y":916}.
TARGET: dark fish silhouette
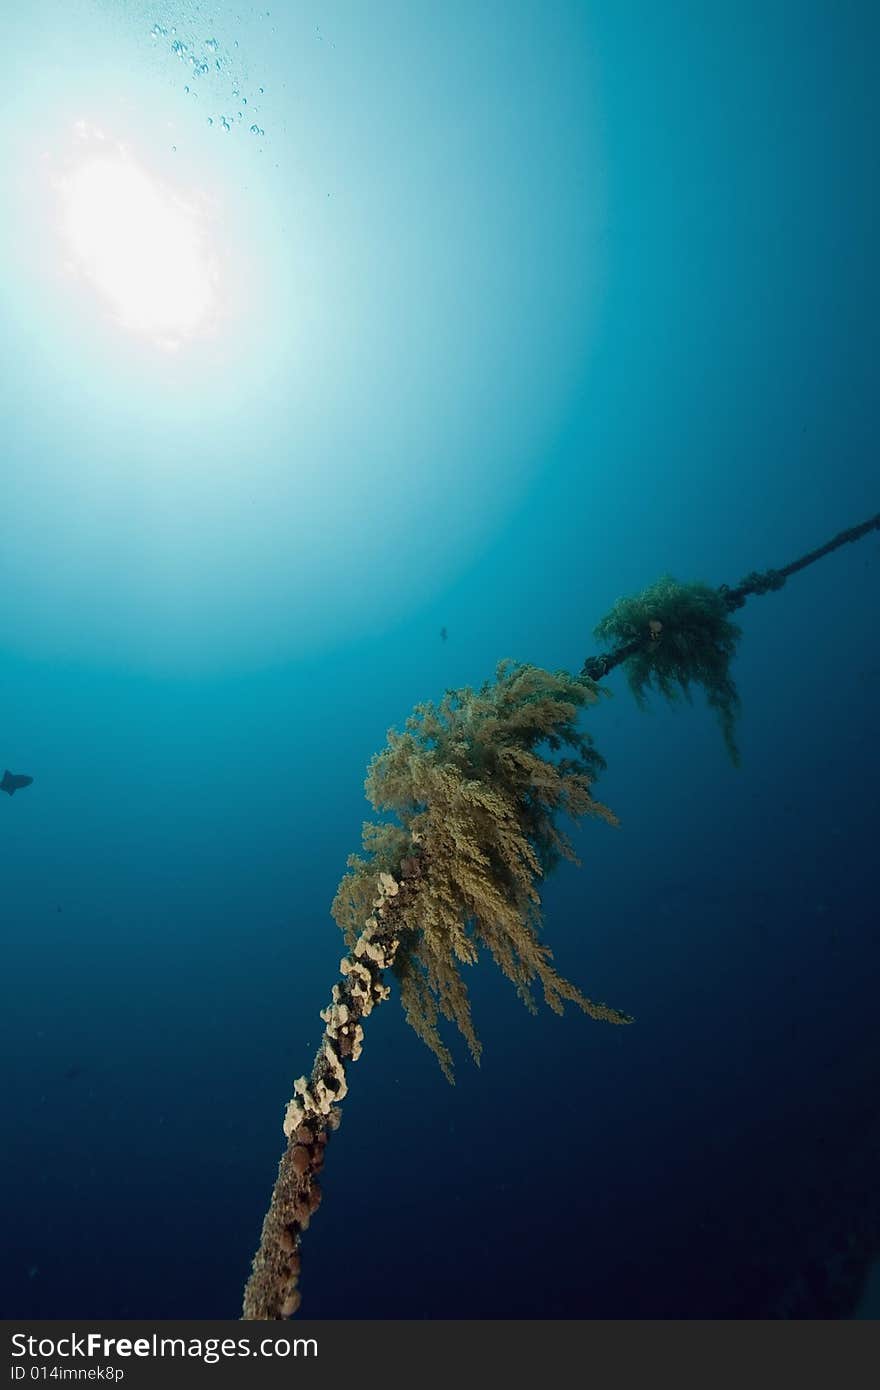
{"x":13,"y":781}
{"x":443,"y":634}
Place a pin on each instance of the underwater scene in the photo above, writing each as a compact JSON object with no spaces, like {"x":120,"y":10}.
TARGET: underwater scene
{"x":438,"y":614}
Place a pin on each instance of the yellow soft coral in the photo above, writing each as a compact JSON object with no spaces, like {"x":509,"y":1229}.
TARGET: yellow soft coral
{"x":478,"y":794}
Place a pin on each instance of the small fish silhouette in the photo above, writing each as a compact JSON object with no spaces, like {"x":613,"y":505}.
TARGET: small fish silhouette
{"x":443,"y":634}
{"x":13,"y":781}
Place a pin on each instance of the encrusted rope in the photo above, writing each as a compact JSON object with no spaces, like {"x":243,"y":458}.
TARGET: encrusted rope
{"x":312,"y":1113}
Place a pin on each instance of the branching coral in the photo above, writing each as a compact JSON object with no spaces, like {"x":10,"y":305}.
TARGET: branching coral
{"x":477,"y":793}
{"x":681,"y":635}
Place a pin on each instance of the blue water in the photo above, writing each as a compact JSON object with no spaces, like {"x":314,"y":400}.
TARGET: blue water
{"x":522,"y":306}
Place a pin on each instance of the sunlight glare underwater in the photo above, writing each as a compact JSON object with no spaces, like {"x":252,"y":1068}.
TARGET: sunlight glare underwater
{"x":377,"y":327}
{"x":139,"y":244}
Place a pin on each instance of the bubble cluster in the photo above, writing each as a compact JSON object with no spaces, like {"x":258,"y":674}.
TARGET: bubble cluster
{"x":206,"y":58}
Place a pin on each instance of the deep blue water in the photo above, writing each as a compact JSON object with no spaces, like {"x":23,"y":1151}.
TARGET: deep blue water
{"x":540,"y":301}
